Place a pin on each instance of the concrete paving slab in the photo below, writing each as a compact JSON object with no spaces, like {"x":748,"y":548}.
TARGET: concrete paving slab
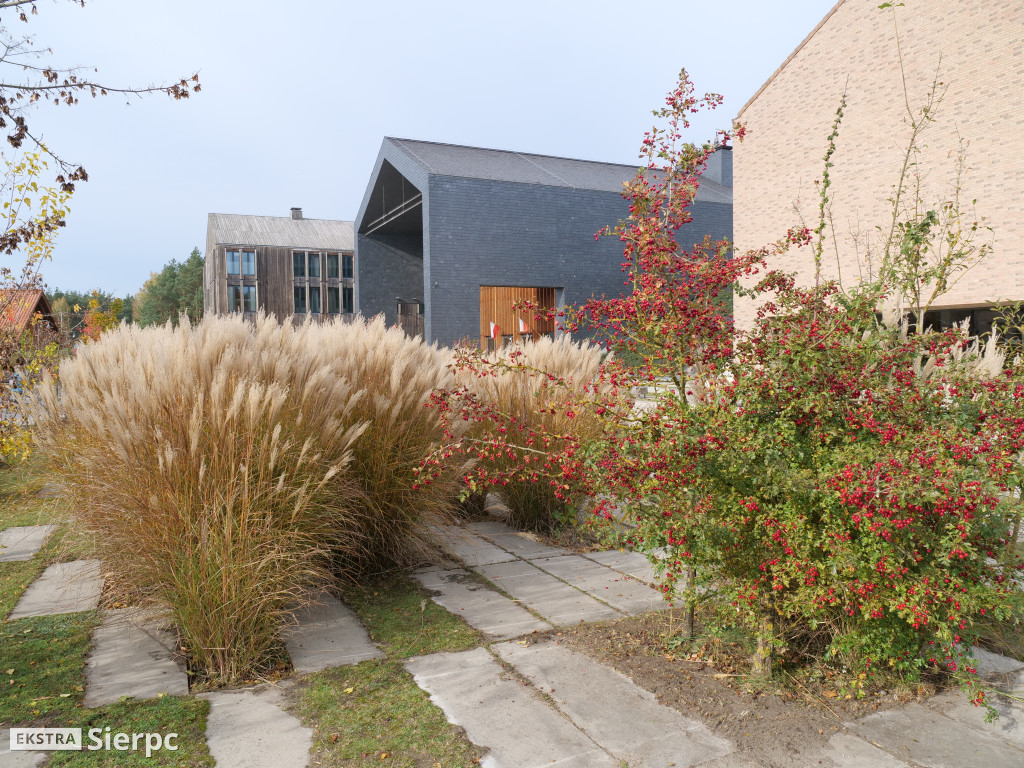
{"x":482,"y":608}
{"x":519,"y":729}
{"x":1010,"y":725}
{"x":63,"y":588}
{"x":630,"y":563}
{"x":543,"y":593}
{"x":918,"y":735}
{"x":490,"y":528}
{"x":470,"y":548}
{"x":603,"y":583}
{"x":612,"y":710}
{"x":250,"y":729}
{"x":328,"y":634}
{"x":995,"y":664}
{"x":520,"y":544}
{"x":848,"y":751}
{"x":50,"y":491}
{"x":21,"y":542}
{"x":729,"y":761}
{"x":132,"y":655}
{"x":17,"y":759}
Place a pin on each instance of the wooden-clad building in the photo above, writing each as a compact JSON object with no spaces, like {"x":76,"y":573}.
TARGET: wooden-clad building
{"x":288,"y":266}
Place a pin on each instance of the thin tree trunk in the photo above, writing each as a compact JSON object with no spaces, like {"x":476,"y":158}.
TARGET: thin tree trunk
{"x":764,"y":656}
{"x":689,"y":601}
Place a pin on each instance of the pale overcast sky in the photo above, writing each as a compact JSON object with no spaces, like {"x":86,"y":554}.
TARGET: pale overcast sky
{"x":297,"y":96}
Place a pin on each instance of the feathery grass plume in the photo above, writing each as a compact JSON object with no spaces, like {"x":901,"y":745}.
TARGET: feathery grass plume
{"x":210,"y":464}
{"x":397,"y":506}
{"x":541,"y":394}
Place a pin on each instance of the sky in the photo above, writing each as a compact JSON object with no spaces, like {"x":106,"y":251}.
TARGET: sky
{"x":297,"y":97}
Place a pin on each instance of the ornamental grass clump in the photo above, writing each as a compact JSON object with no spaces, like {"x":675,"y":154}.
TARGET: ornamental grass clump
{"x":399,"y":502}
{"x":226,"y":469}
{"x":531,"y":403}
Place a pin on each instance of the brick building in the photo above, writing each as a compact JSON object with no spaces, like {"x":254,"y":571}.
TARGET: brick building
{"x":449,"y":238}
{"x":977,"y":51}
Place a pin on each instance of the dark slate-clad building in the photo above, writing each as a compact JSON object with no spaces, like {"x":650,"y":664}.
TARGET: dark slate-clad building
{"x":450,"y":238}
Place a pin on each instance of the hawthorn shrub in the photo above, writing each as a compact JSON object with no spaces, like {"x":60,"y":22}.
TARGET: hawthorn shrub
{"x":834,"y":472}
{"x":228,"y":470}
{"x":828,"y":472}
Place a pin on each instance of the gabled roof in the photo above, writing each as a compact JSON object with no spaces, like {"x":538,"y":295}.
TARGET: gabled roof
{"x":19,"y":305}
{"x":789,"y":58}
{"x":525,"y":168}
{"x":281,"y":231}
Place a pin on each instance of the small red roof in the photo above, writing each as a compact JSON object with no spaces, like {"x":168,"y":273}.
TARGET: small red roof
{"x":19,"y":305}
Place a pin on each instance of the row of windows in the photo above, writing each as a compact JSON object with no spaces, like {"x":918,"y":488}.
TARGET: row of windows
{"x":304,"y":264}
{"x":307,"y":264}
{"x":241,"y":263}
{"x":345,"y":293}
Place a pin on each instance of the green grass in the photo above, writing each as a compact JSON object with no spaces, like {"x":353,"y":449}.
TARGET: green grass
{"x":43,"y":666}
{"x":183,"y":715}
{"x":14,"y":579}
{"x":362,"y":712}
{"x":400,"y":616}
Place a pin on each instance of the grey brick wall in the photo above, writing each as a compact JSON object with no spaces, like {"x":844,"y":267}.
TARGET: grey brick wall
{"x":499,"y":233}
{"x":387,"y":268}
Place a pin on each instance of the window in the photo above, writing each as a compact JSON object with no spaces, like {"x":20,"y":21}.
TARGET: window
{"x":234,"y":298}
{"x":314,"y":265}
{"x":346,"y":266}
{"x":299,"y":264}
{"x":332,"y":266}
{"x":332,"y":295}
{"x":314,"y":299}
{"x":347,"y":299}
{"x":300,"y":300}
{"x":249,"y":263}
{"x":248,"y":298}
{"x":232,"y":261}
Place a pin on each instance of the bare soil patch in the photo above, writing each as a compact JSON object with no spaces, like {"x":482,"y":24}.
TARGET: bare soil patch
{"x":773,"y":726}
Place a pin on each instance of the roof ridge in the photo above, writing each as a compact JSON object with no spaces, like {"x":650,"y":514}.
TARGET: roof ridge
{"x":506,"y":151}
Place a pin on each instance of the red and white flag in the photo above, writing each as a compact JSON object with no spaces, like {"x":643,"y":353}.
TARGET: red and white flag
{"x":523,"y":327}
{"x":494,"y":330}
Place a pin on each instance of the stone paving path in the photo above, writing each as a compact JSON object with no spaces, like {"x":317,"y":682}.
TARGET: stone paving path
{"x":62,"y":588}
{"x":530,"y":704}
{"x":22,"y":542}
{"x":250,"y":729}
{"x":328,"y":634}
{"x":480,"y":606}
{"x":132,"y":655}
{"x":553,"y":583}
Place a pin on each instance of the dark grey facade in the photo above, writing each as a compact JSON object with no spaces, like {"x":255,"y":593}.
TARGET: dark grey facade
{"x":438,"y":221}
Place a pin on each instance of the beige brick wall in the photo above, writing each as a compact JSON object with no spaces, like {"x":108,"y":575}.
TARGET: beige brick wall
{"x":981,"y":46}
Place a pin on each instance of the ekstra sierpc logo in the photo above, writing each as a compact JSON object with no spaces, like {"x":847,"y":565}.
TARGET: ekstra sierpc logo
{"x":71,"y":739}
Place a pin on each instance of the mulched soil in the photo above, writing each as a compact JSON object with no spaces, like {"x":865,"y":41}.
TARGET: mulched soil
{"x":771,"y":726}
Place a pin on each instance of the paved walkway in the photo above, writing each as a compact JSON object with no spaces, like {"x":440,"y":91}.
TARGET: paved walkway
{"x":22,"y":542}
{"x":530,"y":704}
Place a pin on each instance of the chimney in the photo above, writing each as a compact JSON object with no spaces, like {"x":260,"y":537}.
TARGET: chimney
{"x":296,"y":213}
{"x":719,"y":167}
